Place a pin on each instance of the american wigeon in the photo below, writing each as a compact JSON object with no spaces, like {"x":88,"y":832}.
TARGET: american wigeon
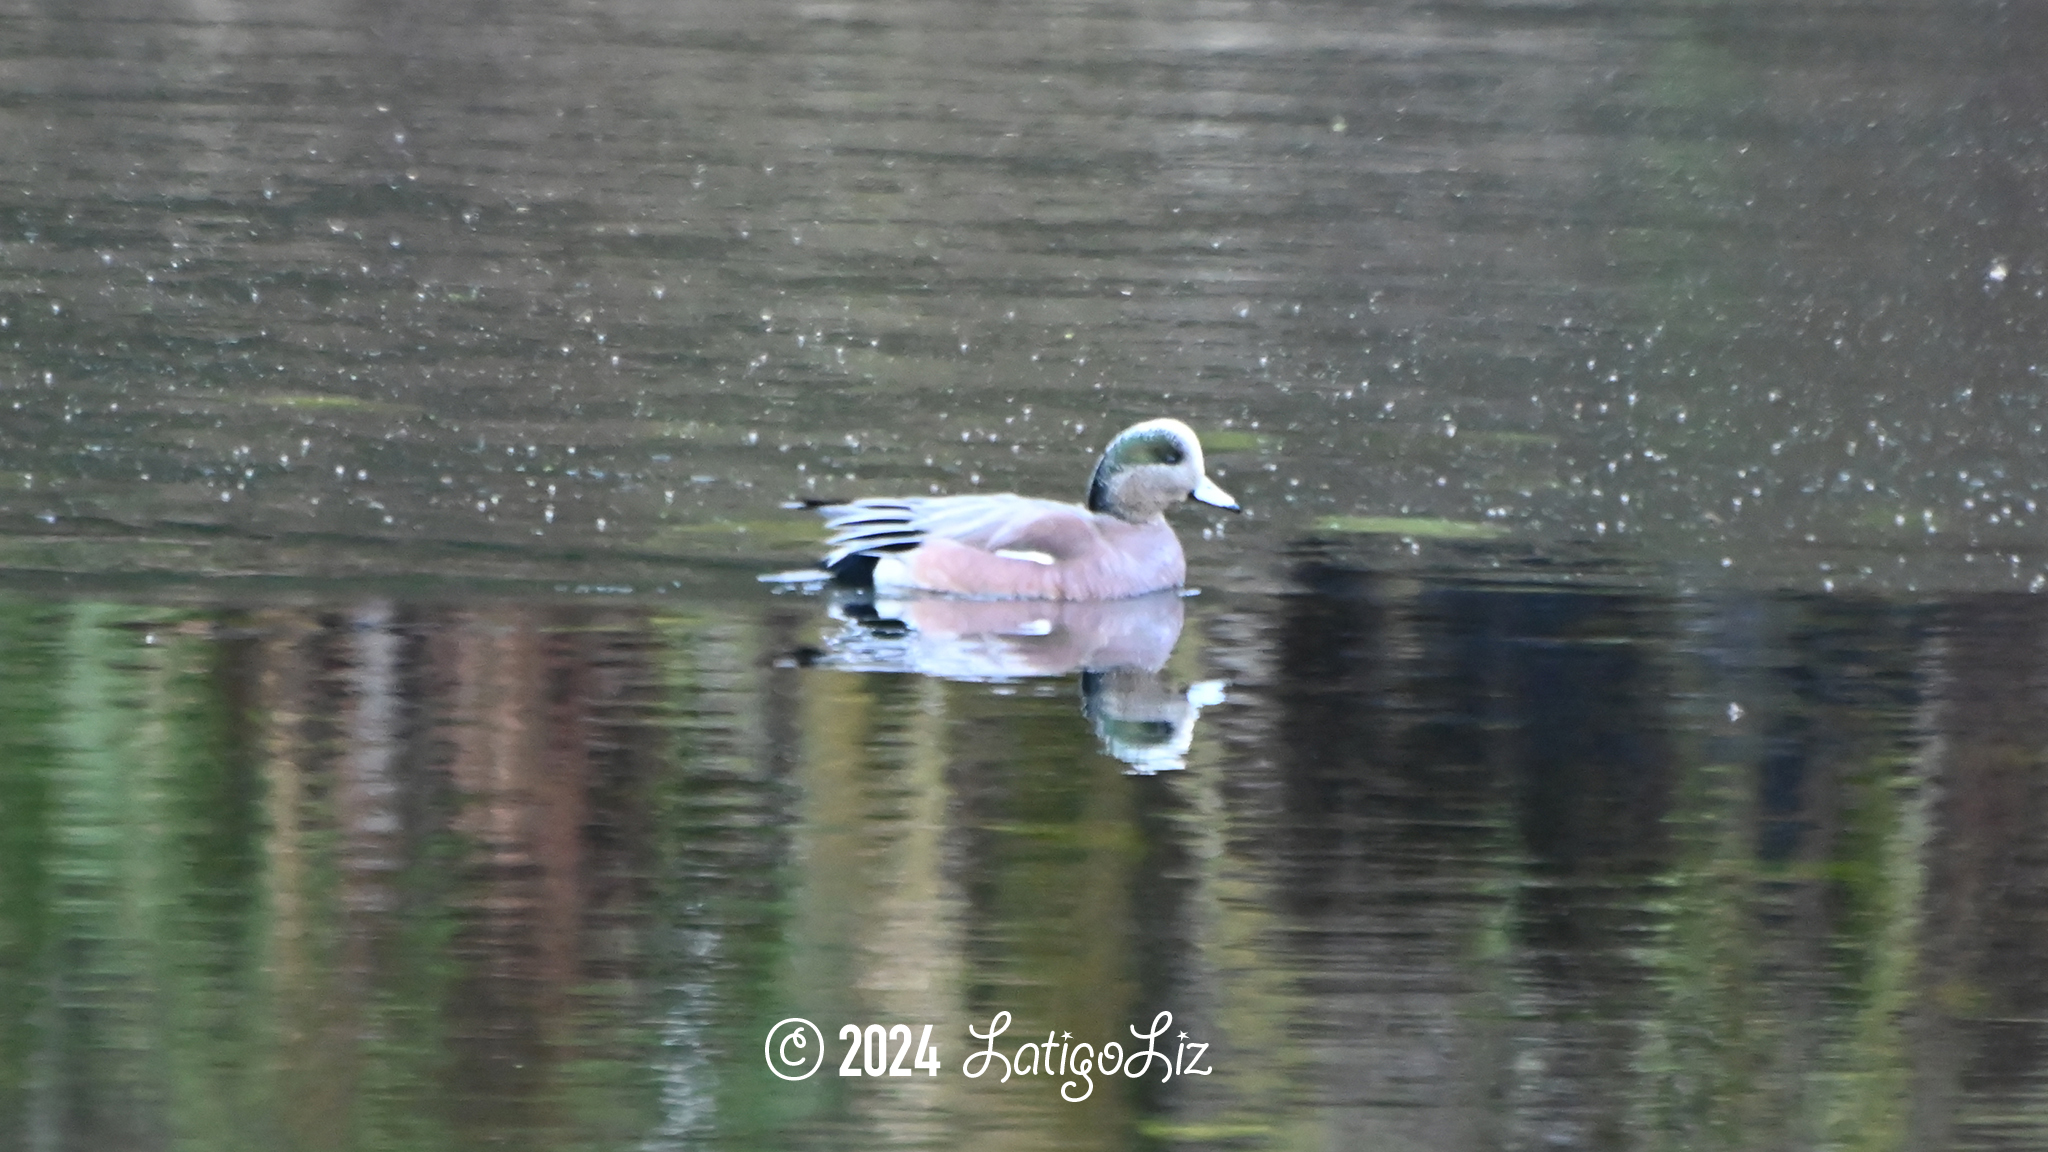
{"x":1016,"y":547}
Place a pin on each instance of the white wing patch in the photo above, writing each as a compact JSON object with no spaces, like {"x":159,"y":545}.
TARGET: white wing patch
{"x":1034,"y":557}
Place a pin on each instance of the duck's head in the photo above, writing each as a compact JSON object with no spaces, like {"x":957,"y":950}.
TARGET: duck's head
{"x":1149,"y":468}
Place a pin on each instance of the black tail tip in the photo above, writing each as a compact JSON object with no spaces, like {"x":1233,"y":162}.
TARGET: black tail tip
{"x":857,"y":569}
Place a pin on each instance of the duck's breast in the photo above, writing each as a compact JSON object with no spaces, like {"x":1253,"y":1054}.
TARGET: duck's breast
{"x":1130,"y":560}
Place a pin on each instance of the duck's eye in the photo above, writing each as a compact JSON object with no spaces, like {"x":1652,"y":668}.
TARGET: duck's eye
{"x":1172,"y":455}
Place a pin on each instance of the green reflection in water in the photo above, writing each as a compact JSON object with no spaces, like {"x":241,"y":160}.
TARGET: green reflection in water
{"x":1882,"y":876}
{"x":29,"y":708}
{"x":212,"y":937}
{"x":1785,"y":977}
{"x":156,"y":923}
{"x":718,"y":903}
{"x":1710,"y":1043}
{"x":1053,"y":907}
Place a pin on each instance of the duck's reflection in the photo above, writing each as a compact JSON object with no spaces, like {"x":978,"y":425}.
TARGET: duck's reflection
{"x":1120,"y":648}
{"x":1142,"y":719}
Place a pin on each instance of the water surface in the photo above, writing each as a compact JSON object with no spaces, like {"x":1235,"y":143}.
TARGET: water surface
{"x":1612,"y":725}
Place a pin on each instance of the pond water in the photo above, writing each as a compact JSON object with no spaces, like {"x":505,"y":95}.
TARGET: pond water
{"x":1619,"y":719}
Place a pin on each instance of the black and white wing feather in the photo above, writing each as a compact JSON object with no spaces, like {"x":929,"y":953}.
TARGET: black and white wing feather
{"x":871,"y":527}
{"x":877,"y":525}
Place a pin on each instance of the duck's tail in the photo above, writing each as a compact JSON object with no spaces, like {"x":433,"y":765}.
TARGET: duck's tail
{"x":856,"y":568}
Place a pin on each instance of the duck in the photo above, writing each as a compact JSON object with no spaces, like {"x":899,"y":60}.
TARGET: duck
{"x":1009,"y":547}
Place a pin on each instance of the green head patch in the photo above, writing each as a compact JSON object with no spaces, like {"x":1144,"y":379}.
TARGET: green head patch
{"x":1149,"y":446}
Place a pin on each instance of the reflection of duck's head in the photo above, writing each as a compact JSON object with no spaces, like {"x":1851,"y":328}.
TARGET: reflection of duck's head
{"x":1001,"y":639}
{"x":1142,"y":719}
